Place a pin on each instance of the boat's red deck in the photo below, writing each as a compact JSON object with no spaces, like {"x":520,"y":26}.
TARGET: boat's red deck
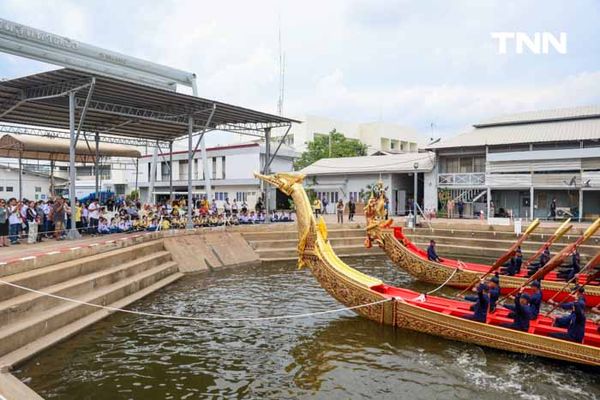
{"x":475,"y":267}
{"x":457,"y":308}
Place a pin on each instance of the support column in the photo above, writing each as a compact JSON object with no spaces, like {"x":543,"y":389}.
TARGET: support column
{"x":171,"y":194}
{"x":20,"y":176}
{"x":73,"y":233}
{"x":207,"y":187}
{"x":489,"y":203}
{"x":531,"y":204}
{"x":580,"y":204}
{"x":97,"y":165}
{"x":416,"y":183}
{"x":190,"y":223}
{"x":267,"y":171}
{"x":52,"y":190}
{"x":137,"y":174}
{"x":152,"y":177}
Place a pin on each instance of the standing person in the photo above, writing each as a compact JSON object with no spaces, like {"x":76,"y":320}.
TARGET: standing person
{"x":227,"y":207}
{"x":46,"y":207}
{"x":450,"y":208}
{"x":492,"y":209}
{"x":553,"y":209}
{"x":340,"y":211}
{"x":259,"y":206}
{"x":94,"y":214}
{"x":317,"y":206}
{"x":32,"y":223}
{"x":461,"y":208}
{"x":234,"y":208}
{"x":3,"y":223}
{"x":325,"y":202}
{"x":58,"y":216}
{"x":14,"y":220}
{"x":351,"y":209}
{"x":85,"y":217}
{"x":78,"y":216}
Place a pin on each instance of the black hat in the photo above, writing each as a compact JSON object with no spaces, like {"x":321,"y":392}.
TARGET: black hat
{"x":495,"y":279}
{"x":536,"y":284}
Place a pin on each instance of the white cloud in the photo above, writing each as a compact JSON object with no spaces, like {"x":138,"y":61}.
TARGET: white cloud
{"x":408,"y":62}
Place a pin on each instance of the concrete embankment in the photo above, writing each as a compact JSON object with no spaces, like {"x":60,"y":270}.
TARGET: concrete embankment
{"x":113,"y":273}
{"x":117,"y":272}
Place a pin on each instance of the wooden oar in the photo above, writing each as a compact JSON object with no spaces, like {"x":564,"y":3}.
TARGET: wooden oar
{"x":505,"y":257}
{"x":590,"y":279}
{"x":558,"y":258}
{"x":560,"y":232}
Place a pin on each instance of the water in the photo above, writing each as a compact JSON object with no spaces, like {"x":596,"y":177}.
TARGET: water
{"x":335,"y":356}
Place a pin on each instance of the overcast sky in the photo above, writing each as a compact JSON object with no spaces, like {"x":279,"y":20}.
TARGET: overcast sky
{"x":408,"y":62}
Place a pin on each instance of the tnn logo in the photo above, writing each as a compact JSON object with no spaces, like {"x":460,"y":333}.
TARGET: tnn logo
{"x":540,"y":43}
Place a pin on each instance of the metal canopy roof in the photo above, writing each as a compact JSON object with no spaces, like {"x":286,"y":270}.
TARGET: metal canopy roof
{"x":122,"y":108}
{"x":57,"y":149}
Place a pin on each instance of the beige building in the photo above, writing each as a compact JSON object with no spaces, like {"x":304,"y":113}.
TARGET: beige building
{"x":378,"y":136}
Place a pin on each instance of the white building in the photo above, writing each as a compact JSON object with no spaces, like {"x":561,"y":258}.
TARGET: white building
{"x":36,"y":185}
{"x":378,"y":136}
{"x":523,"y":161}
{"x":350,"y":177}
{"x":115,"y":174}
{"x":230,"y":167}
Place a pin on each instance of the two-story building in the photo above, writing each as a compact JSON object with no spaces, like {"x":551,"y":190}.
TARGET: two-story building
{"x":517,"y":164}
{"x":230,"y":167}
{"x":378,"y":136}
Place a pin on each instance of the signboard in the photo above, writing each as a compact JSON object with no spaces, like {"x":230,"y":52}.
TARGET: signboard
{"x":24,"y":41}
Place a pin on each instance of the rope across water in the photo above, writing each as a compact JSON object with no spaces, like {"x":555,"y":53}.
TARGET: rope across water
{"x":190,"y":318}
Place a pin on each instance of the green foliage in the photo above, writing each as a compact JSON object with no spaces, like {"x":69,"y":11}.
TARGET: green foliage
{"x":134,"y":195}
{"x":340,"y":147}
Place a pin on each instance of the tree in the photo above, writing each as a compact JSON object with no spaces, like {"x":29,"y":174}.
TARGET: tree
{"x":340,"y":147}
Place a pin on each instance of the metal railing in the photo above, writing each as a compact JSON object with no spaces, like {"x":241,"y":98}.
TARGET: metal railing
{"x":476,"y":178}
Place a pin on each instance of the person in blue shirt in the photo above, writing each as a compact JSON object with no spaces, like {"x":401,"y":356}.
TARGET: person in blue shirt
{"x":513,"y":267}
{"x":544,"y":258}
{"x":521,"y":312}
{"x":482,"y":303}
{"x":574,"y":322}
{"x":431,"y":254}
{"x":494,"y":286}
{"x":573,"y":269}
{"x":535,"y":299}
{"x":579,"y":294}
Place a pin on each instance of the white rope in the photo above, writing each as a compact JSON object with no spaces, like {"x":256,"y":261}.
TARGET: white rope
{"x":187,"y":318}
{"x":444,"y":284}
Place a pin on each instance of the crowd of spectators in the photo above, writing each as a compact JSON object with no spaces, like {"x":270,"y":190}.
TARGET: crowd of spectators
{"x":35,"y":221}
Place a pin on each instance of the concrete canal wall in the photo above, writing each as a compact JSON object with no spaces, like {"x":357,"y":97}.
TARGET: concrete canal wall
{"x":121,"y":271}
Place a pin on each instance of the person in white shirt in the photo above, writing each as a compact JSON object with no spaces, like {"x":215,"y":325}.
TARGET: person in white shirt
{"x":94,"y":215}
{"x":14,"y":220}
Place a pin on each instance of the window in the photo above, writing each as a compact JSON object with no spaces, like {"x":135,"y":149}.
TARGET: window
{"x":183,"y":172}
{"x":466,"y":165}
{"x":223,"y":167}
{"x":165,"y":169}
{"x":353,"y":196}
{"x":38,"y":189}
{"x":479,"y":164}
{"x":214,"y":168}
{"x":241,"y":196}
{"x":9,"y":188}
{"x":1,"y":188}
{"x":220,"y":196}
